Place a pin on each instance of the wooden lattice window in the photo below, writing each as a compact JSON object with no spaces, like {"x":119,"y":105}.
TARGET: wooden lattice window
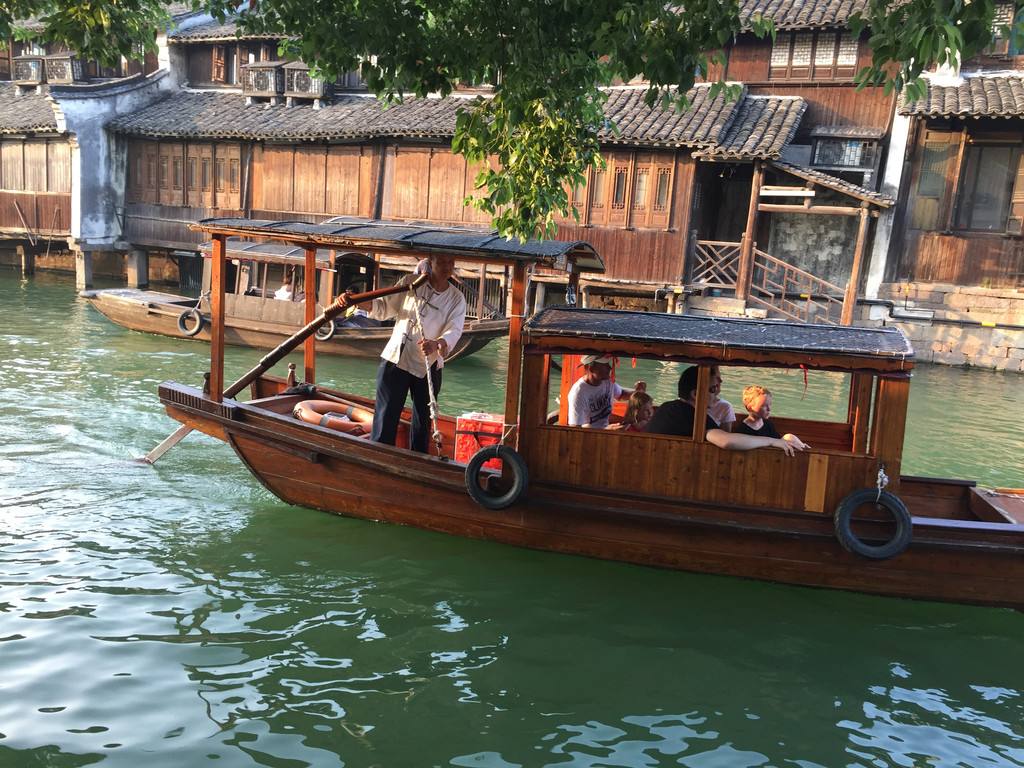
{"x":192,"y":179}
{"x":1002,"y":19}
{"x":219,"y":174}
{"x":662,"y":190}
{"x":205,"y":167}
{"x":822,"y":55}
{"x":597,"y":192}
{"x":619,"y":189}
{"x":163,"y":172}
{"x":176,"y":173}
{"x":233,"y":174}
{"x":641,"y":188}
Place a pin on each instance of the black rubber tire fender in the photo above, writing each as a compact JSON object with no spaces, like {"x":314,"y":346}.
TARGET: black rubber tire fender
{"x":893,"y":505}
{"x":511,"y":462}
{"x":325,"y":332}
{"x":196,"y":316}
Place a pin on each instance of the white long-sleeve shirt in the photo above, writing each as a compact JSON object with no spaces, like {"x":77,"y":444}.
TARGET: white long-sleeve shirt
{"x":443,"y":315}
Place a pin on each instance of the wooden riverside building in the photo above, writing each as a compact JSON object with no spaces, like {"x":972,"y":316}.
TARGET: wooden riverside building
{"x":735,"y":197}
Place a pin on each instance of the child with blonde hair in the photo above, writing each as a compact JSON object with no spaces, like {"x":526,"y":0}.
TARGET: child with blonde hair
{"x":758,"y":402}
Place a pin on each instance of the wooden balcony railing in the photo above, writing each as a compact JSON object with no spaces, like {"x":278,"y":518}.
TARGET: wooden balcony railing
{"x":716,"y":264}
{"x":794,"y":293}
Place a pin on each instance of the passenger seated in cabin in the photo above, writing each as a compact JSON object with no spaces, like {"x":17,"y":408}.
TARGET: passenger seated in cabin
{"x":284,"y":293}
{"x":718,"y":409}
{"x":758,"y":402}
{"x":590,"y":399}
{"x":638,"y":412}
{"x":676,"y":418}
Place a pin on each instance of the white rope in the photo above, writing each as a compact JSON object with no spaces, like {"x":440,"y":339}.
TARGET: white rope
{"x":435,"y":432}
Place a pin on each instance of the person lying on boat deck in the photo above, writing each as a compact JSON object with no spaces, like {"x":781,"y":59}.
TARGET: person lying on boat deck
{"x":590,"y":398}
{"x":758,"y":402}
{"x":719,"y":409}
{"x":409,"y":351}
{"x":676,"y":418}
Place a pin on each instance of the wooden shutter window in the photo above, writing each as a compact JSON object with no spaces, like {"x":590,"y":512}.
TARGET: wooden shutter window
{"x":641,"y":187}
{"x":219,"y":174}
{"x":233,"y":174}
{"x":218,"y":73}
{"x":176,"y":174}
{"x":619,"y":190}
{"x":1015,"y":221}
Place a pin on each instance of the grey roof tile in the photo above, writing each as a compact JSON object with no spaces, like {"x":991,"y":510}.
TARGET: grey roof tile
{"x":979,"y":95}
{"x":761,"y":128}
{"x":801,"y":14}
{"x":28,"y":113}
{"x":215,"y":31}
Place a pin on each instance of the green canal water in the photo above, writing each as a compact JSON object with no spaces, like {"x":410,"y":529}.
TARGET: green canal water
{"x":181,"y":616}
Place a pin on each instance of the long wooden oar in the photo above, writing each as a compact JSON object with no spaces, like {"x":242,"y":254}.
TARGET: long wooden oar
{"x":282,"y":350}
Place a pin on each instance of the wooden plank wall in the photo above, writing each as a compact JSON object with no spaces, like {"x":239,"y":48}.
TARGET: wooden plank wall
{"x":166,"y":226}
{"x":964,"y":259}
{"x":676,"y":468}
{"x":35,"y":186}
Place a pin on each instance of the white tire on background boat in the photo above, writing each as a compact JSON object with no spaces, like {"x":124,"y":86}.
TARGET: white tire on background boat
{"x":196,"y":316}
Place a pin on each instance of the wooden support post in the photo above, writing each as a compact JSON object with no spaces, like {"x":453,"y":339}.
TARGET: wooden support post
{"x":515,"y":351}
{"x":859,"y":412}
{"x":746,"y":266}
{"x":481,"y":287}
{"x":540,"y":297}
{"x":889,"y":424}
{"x":309,"y":345}
{"x":27,"y":259}
{"x":83,"y":270}
{"x":571,"y":371}
{"x":700,"y":407}
{"x":217,"y":275}
{"x":137,"y":268}
{"x":853,"y":286}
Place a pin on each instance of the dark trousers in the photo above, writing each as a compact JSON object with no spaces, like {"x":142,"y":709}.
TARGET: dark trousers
{"x":393,"y":386}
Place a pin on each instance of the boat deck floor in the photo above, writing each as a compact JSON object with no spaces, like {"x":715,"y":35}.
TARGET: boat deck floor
{"x":141,"y":295}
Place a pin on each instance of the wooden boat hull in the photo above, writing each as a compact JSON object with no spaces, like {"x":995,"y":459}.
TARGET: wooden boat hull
{"x":975,"y":562}
{"x":156,"y":312}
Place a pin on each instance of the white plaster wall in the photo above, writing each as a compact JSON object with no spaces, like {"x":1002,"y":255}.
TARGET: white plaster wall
{"x":892,"y":176}
{"x":97,"y":159}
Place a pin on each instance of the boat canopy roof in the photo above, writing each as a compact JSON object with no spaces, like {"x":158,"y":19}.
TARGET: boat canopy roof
{"x":720,"y":339}
{"x":349,"y":233}
{"x":283,"y":253}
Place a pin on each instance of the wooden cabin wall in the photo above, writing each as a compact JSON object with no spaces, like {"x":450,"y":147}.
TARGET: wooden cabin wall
{"x":35,"y":185}
{"x":319,"y":179}
{"x":831,"y":96}
{"x":937,"y":244}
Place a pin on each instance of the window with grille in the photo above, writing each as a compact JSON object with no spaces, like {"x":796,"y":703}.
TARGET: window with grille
{"x":662,"y":190}
{"x":1001,"y":45}
{"x":206,"y":174}
{"x":845,"y":153}
{"x":619,"y":190}
{"x":640,"y":189}
{"x":821,"y":55}
{"x":176,"y":173}
{"x":597,"y":192}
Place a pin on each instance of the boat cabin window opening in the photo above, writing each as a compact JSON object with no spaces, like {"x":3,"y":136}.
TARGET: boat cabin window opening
{"x":817,"y":406}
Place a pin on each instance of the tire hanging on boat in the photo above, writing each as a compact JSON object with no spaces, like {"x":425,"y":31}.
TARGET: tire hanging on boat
{"x":512,"y":464}
{"x":888,"y":501}
{"x":197,"y":318}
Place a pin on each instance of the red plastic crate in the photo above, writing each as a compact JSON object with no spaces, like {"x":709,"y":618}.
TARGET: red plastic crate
{"x":473,"y":431}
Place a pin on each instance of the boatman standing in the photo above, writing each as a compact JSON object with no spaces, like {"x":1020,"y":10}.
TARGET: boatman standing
{"x":420,"y":339}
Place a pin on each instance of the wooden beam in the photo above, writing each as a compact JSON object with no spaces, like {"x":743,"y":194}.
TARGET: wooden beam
{"x":775,"y":191}
{"x":745,"y":270}
{"x":515,"y":351}
{"x":217,"y":274}
{"x":481,"y":286}
{"x":859,"y":412}
{"x":700,"y":407}
{"x":825,"y":210}
{"x":309,"y":345}
{"x":850,"y":297}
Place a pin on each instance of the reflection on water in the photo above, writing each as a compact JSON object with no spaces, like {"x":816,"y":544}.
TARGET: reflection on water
{"x":181,"y":615}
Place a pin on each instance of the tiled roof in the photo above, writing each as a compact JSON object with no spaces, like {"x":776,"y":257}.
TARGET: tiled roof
{"x":977,"y":96}
{"x":220,"y":115}
{"x":215,"y":31}
{"x":28,"y":113}
{"x":761,"y":128}
{"x":801,"y":14}
{"x":834,"y":182}
{"x":225,"y":115}
{"x":178,"y":9}
{"x":700,"y":125}
{"x":848,"y":132}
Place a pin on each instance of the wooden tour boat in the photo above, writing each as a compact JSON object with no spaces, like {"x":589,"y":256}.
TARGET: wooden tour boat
{"x":824,"y":518}
{"x":253,"y":317}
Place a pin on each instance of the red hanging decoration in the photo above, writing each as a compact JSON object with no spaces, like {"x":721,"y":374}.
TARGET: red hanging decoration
{"x":804,"y":369}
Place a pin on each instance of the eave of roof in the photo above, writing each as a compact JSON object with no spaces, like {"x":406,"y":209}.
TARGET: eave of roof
{"x":801,"y":14}
{"x":215,"y":31}
{"x":412,"y":239}
{"x":978,"y":95}
{"x":26,"y":113}
{"x":761,"y":128}
{"x":719,"y":338}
